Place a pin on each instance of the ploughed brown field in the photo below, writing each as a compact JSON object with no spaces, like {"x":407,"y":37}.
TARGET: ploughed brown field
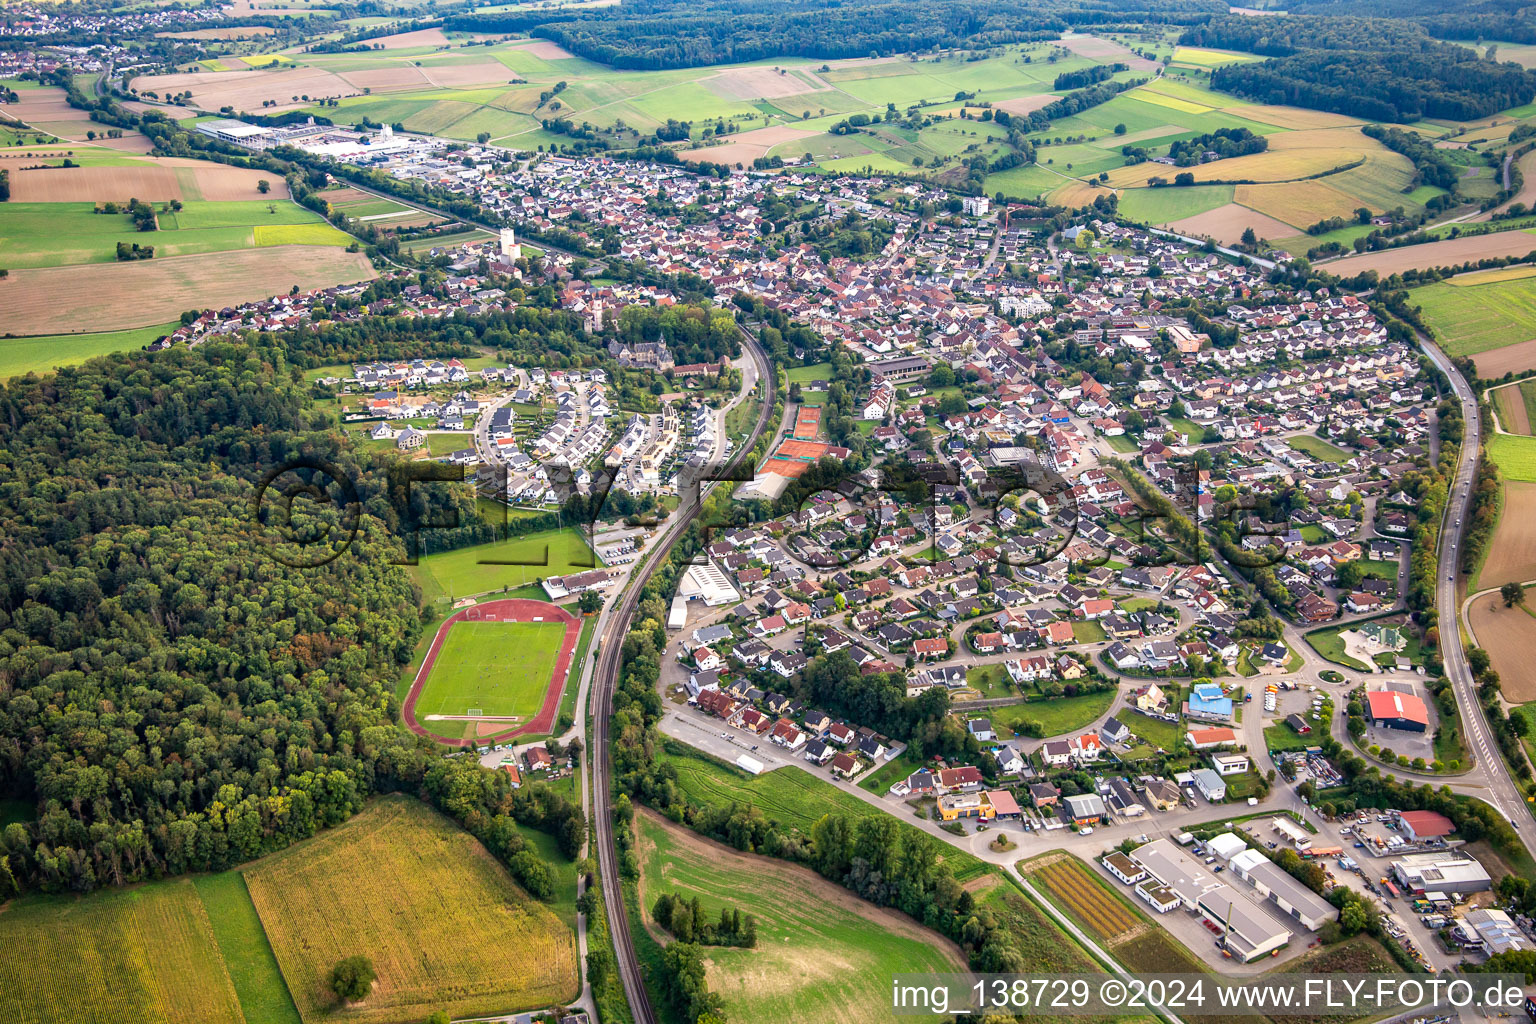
{"x":1507,"y":634}
{"x":110,"y":297}
{"x":1515,"y":358}
{"x":1512,"y":553}
{"x":1450,"y":252}
{"x":1227,"y":223}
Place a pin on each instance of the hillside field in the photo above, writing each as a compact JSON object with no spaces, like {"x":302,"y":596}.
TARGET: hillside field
{"x":445,"y":926}
{"x":821,"y":954}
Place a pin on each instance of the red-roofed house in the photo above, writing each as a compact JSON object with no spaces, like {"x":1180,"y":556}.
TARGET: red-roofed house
{"x":1208,"y":739}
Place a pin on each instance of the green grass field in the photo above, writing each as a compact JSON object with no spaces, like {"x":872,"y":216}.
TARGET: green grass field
{"x":1283,"y":737}
{"x":821,"y":954}
{"x":482,"y":569}
{"x":1058,"y":714}
{"x":40,"y":354}
{"x":1318,"y":448}
{"x":1515,"y":456}
{"x":242,"y":941}
{"x":1327,"y":644}
{"x":1482,"y":317}
{"x":791,"y":796}
{"x":66,"y":234}
{"x":502,"y":668}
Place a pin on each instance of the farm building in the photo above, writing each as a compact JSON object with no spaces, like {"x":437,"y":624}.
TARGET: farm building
{"x":1392,"y":710}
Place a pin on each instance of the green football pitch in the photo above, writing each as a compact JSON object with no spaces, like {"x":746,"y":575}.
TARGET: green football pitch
{"x":492,"y":668}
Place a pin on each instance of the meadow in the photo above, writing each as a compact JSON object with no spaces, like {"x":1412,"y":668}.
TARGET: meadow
{"x":40,"y":354}
{"x":442,"y":921}
{"x":62,"y":234}
{"x":502,"y":668}
{"x":1514,"y":455}
{"x":1475,"y":314}
{"x":821,"y":953}
{"x":1318,"y":448}
{"x":504,"y":565}
{"x":1058,"y":715}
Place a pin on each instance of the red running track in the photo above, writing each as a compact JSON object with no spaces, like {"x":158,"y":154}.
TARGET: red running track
{"x":509,"y":610}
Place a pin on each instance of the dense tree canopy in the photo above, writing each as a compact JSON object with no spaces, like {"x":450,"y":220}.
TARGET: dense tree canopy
{"x":1384,"y":70}
{"x":173,"y":697}
{"x":690,"y":33}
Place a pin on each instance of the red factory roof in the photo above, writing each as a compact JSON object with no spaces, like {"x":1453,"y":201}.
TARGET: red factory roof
{"x":1427,"y":823}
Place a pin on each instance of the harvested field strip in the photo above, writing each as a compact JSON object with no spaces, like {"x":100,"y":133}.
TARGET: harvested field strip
{"x":442,"y":921}
{"x":1512,"y":553}
{"x":1510,"y":406}
{"x":129,"y":295}
{"x":1507,"y":635}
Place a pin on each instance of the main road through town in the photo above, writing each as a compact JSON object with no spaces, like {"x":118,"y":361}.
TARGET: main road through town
{"x":605,"y":683}
{"x":1502,"y":792}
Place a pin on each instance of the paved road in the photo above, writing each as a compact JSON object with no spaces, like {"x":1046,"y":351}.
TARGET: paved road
{"x":605,"y":682}
{"x":1502,"y":792}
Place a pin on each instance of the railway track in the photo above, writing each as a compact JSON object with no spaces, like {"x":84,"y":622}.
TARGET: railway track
{"x":605,"y":683}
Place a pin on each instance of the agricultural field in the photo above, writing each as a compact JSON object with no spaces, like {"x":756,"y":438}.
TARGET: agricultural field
{"x":821,"y":953}
{"x":1506,"y":634}
{"x":61,"y":254}
{"x":1472,"y":314}
{"x":503,"y":565}
{"x":1513,"y":405}
{"x":1084,"y":896}
{"x":1514,"y":455}
{"x":48,"y":300}
{"x":1512,"y":552}
{"x":445,"y":926}
{"x":502,"y":668}
{"x":65,"y":234}
{"x":141,"y":955}
{"x":39,"y":354}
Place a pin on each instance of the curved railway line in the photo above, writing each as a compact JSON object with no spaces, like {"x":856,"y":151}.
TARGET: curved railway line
{"x":605,"y":682}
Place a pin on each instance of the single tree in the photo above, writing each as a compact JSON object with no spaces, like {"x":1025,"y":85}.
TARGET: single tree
{"x":263,"y":186}
{"x":352,"y":978}
{"x":1513,"y":594}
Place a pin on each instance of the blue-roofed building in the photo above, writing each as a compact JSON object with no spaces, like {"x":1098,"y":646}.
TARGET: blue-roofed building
{"x":1207,"y":701}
